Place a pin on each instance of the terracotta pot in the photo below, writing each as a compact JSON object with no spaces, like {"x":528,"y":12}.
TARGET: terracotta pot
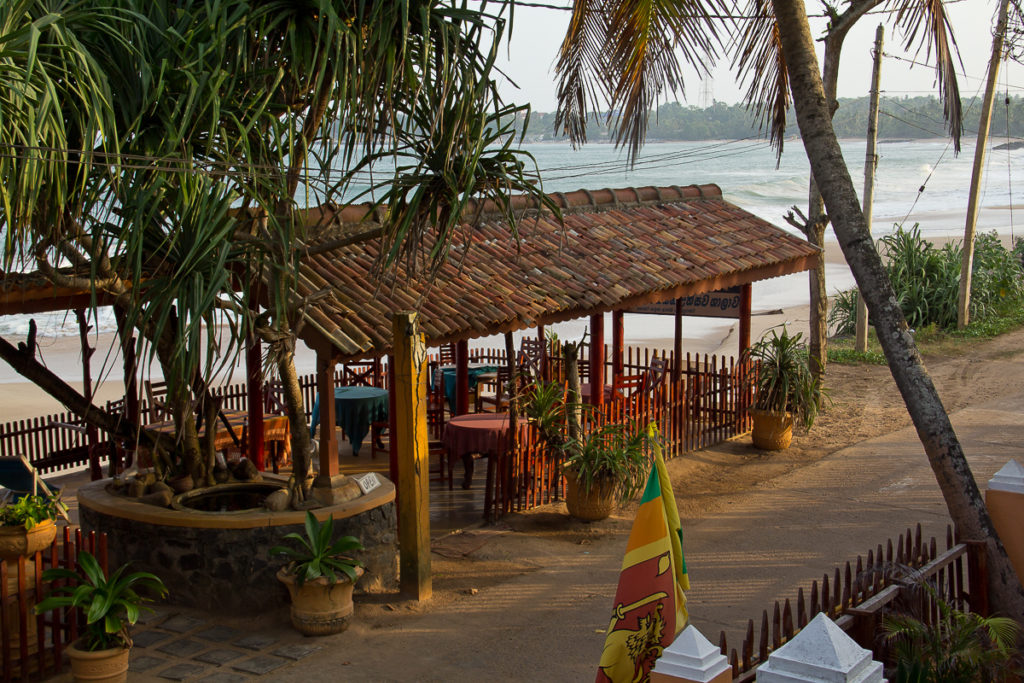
{"x":320,"y":608}
{"x":16,"y":541}
{"x":99,"y":666}
{"x":590,"y":506}
{"x":772,"y":431}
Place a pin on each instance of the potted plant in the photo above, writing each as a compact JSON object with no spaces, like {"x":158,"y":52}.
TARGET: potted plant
{"x":785,"y":390}
{"x":111,"y":606}
{"x":606,"y":466}
{"x":27,"y":526}
{"x":320,"y":577}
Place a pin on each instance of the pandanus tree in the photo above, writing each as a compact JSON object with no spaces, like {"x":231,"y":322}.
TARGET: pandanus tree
{"x":624,"y":54}
{"x":160,"y":154}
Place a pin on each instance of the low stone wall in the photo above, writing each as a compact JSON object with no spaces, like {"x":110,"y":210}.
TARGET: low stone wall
{"x":228,"y":568}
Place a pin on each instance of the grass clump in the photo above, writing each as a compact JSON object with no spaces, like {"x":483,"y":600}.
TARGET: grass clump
{"x":926,"y":280}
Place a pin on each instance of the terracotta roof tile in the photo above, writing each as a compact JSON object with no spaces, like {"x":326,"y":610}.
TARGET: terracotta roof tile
{"x":617,"y":248}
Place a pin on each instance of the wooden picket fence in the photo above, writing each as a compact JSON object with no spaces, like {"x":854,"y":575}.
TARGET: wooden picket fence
{"x":34,"y":643}
{"x":857,"y":596}
{"x":702,"y":401}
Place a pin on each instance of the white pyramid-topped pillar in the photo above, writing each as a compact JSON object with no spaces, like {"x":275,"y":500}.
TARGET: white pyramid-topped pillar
{"x":821,"y":652}
{"x":1005,"y":501}
{"x":693,"y":659}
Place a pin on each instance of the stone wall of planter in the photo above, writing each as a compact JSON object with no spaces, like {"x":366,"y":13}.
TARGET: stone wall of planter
{"x":229,"y":569}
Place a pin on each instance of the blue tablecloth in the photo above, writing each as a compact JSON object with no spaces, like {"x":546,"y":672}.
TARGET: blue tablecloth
{"x":354,"y":409}
{"x":447,"y":373}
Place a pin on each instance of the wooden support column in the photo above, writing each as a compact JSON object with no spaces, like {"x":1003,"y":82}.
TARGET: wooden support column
{"x":545,"y":371}
{"x":131,"y":410}
{"x":462,"y":377}
{"x":392,"y":428}
{"x":254,"y":385}
{"x":677,"y":346}
{"x":410,"y":392}
{"x":328,"y":441}
{"x":91,"y":433}
{"x":597,"y":359}
{"x":617,"y":342}
{"x":745,"y":299}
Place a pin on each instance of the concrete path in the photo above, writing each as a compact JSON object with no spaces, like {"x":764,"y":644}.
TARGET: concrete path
{"x":547,"y":625}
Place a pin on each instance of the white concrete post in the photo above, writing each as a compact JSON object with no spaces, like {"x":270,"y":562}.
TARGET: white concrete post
{"x":691,"y":659}
{"x":821,"y":652}
{"x":1005,"y":501}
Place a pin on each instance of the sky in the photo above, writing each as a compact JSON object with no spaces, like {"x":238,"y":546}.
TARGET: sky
{"x":538,"y":32}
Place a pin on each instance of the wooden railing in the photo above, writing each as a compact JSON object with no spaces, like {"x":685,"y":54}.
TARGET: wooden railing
{"x":857,"y":596}
{"x":33,"y":644}
{"x":705,"y":404}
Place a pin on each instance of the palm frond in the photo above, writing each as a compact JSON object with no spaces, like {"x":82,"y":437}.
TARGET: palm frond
{"x":758,"y":59}
{"x":926,"y":26}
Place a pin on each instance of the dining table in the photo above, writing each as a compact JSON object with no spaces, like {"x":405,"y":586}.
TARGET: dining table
{"x":478,"y":434}
{"x":232,"y":426}
{"x":356,"y":408}
{"x":444,"y":377}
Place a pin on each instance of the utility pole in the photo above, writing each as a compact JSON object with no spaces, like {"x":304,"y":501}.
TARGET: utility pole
{"x":963,"y":311}
{"x":870,"y":165}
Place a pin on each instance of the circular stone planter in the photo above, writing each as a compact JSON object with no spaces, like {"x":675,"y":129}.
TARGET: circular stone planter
{"x":220,"y":560}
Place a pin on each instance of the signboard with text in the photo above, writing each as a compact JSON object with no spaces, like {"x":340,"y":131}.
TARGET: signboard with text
{"x":724,"y":303}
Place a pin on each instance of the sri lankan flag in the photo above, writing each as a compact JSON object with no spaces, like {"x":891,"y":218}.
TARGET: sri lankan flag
{"x":650,"y":607}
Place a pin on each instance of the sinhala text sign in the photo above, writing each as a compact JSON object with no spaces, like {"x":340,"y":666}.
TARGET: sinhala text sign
{"x":724,"y":303}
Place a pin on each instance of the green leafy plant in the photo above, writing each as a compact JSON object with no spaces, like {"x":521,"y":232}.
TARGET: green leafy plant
{"x":544,"y":405}
{"x":783,"y":381}
{"x":318,"y":555}
{"x":28,"y":511}
{"x":957,"y":647}
{"x":614,"y":452}
{"x":110,"y":605}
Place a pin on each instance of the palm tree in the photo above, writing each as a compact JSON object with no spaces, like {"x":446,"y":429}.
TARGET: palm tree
{"x":165,"y":150}
{"x":615,"y":58}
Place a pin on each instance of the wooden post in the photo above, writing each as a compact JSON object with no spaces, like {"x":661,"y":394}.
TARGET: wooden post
{"x":462,"y":377}
{"x":974,"y":198}
{"x":254,"y":386}
{"x":977,"y":576}
{"x":92,"y":435}
{"x":617,"y":342}
{"x":745,"y":301}
{"x":677,"y":347}
{"x":597,"y":359}
{"x":392,"y":428}
{"x":410,"y":391}
{"x":328,"y":441}
{"x":870,"y":164}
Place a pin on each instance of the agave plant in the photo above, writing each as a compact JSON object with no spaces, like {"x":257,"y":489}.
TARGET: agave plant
{"x":318,"y":555}
{"x":111,"y":605}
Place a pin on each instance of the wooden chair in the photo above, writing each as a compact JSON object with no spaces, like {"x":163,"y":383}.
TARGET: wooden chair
{"x":624,"y":386}
{"x":359,"y":374}
{"x":446,"y":354}
{"x":156,"y":395}
{"x":531,"y":356}
{"x":498,"y":399}
{"x":656,"y":372}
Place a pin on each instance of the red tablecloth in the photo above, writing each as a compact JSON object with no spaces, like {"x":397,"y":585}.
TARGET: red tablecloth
{"x":483,"y":433}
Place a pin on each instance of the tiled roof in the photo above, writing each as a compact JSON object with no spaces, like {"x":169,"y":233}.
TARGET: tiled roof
{"x":617,"y":249}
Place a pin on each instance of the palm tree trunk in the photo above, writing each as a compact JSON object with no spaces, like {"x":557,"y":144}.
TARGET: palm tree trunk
{"x":945,"y":454}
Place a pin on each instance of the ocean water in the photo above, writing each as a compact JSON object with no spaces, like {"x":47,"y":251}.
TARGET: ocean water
{"x":747,"y":172}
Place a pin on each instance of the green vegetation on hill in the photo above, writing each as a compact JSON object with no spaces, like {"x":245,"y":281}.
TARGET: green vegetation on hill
{"x":899,"y":118}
